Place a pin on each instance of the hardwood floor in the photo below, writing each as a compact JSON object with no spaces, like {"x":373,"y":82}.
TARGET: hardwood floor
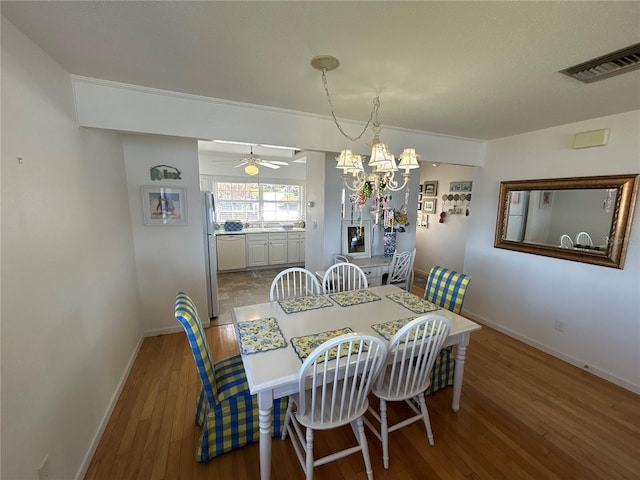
{"x":523,"y":415}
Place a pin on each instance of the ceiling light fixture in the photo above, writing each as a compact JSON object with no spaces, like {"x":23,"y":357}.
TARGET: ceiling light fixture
{"x":382,"y":162}
{"x":251,"y":169}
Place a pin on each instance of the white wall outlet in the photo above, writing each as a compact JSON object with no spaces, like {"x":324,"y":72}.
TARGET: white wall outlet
{"x":44,"y":472}
{"x":559,"y":326}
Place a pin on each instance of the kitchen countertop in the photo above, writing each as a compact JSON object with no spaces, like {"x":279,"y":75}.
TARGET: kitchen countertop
{"x":259,"y":230}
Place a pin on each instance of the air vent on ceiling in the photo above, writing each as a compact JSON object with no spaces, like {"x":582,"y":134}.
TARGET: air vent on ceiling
{"x":614,"y":63}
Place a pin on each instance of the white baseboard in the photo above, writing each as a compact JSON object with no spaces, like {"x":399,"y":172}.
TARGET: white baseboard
{"x":562,"y":356}
{"x":86,"y":461}
{"x":175,"y":329}
{"x":420,"y":273}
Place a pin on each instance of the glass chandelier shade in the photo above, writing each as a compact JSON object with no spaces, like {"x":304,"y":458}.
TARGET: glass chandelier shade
{"x":251,"y":169}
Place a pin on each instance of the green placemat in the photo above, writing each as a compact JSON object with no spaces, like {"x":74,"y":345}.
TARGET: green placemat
{"x":413,"y":302}
{"x":354,"y":297}
{"x":300,"y":304}
{"x":308,"y":343}
{"x":260,"y":336}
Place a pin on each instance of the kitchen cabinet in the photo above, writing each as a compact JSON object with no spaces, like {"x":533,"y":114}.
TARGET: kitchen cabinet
{"x":257,"y":249}
{"x":266,"y":249}
{"x":295,"y":247}
{"x":277,"y":248}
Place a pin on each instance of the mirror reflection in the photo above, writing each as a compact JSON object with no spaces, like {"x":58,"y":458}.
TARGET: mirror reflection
{"x":584,"y":219}
{"x":563,"y":218}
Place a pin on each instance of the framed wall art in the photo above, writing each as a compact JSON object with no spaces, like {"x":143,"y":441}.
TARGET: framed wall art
{"x":430,"y":188}
{"x":429,"y":206}
{"x":164,"y":206}
{"x":460,"y":186}
{"x":546,"y":198}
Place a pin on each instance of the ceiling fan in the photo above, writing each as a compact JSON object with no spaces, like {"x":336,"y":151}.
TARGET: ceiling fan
{"x":252,"y":162}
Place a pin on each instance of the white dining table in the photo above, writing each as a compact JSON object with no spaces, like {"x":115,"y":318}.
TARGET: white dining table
{"x":274,"y":374}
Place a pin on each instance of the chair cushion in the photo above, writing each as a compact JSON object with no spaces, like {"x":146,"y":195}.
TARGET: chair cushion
{"x":230,"y":378}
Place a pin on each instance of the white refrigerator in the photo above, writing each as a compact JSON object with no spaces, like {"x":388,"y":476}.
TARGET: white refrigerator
{"x":517,"y":216}
{"x":211,"y":264}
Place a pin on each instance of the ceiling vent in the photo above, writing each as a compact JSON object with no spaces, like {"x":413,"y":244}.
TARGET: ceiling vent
{"x":615,"y":63}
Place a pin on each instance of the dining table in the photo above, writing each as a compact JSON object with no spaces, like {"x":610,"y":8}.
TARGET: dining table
{"x":275,"y":337}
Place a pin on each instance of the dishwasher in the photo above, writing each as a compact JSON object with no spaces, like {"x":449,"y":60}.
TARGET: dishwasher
{"x":231,"y":252}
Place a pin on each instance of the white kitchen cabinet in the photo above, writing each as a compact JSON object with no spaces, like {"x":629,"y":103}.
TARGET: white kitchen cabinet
{"x":266,"y":249}
{"x":277,"y":248}
{"x":295,"y":247}
{"x":257,"y":249}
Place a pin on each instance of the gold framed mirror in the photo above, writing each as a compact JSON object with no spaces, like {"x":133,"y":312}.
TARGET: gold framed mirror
{"x":584,"y":219}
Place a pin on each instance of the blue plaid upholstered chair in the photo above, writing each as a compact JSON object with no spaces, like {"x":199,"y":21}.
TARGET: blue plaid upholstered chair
{"x":445,"y":288}
{"x":226,"y":411}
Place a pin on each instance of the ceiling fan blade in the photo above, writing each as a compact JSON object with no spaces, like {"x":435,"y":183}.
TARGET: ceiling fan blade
{"x":241,"y":164}
{"x":276,"y":162}
{"x":269,"y":165}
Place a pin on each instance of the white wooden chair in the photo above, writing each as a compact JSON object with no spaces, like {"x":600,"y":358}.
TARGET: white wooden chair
{"x":294,"y":282}
{"x":402,"y":269}
{"x":340,"y":259}
{"x":565,"y":241}
{"x":583,"y":238}
{"x":411,"y":354}
{"x":333,"y":393}
{"x":341,"y":277}
{"x":337,"y":258}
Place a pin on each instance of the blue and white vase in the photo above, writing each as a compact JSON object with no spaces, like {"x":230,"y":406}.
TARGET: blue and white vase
{"x":389,"y":243}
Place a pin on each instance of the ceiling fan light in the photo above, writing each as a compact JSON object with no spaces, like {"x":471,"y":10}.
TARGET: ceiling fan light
{"x":251,"y":169}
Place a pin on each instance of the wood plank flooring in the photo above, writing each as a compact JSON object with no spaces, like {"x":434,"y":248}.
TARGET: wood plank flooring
{"x":523,"y":415}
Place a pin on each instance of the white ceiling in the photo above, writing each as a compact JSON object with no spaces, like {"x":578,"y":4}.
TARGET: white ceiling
{"x":479,"y":69}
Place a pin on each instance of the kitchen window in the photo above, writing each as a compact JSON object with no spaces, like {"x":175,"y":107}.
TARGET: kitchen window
{"x":258,"y":202}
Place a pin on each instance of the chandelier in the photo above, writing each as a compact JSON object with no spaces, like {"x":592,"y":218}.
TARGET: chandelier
{"x":382,"y":163}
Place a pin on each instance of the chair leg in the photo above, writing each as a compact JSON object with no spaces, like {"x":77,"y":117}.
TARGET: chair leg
{"x":287,"y":419}
{"x":362,"y":439}
{"x":425,"y":417}
{"x":309,"y":456}
{"x":384,"y":432}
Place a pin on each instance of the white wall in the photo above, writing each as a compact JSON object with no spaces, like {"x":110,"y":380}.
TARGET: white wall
{"x":168,"y":258}
{"x":525,"y":294}
{"x":70,"y":326}
{"x":443,"y":243}
{"x":316,"y":228}
{"x":117,"y":106}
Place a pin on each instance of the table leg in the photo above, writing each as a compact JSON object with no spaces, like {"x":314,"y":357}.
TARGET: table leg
{"x":265,"y":408}
{"x":461,"y":352}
